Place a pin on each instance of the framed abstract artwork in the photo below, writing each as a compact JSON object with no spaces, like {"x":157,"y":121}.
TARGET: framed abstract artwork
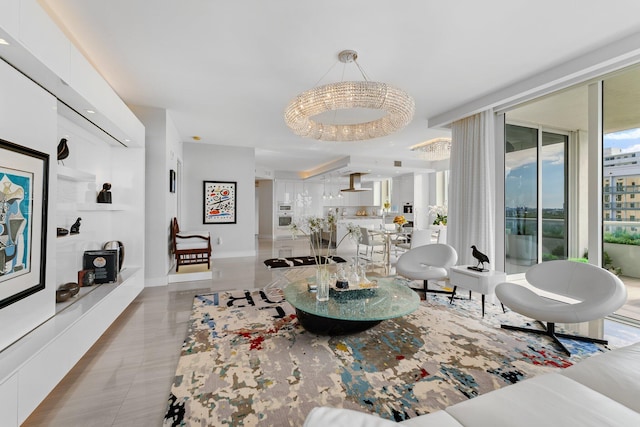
{"x":219,"y":202}
{"x":24,"y":187}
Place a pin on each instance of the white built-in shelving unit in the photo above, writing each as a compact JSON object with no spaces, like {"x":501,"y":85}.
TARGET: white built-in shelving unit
{"x":32,"y":366}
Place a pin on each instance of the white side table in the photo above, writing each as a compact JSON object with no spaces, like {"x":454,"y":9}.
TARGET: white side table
{"x":475,"y":281}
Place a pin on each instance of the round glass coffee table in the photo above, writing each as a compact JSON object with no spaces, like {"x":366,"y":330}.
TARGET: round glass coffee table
{"x":350,"y":311}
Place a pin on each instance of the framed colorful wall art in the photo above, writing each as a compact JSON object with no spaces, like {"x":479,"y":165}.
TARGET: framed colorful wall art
{"x":23,"y":221}
{"x":219,"y":202}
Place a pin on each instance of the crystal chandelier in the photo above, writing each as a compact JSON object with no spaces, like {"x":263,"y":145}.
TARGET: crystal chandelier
{"x":434,"y":149}
{"x":397,"y":104}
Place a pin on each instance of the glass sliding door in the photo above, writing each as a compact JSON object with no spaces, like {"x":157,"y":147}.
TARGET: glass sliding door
{"x":554,"y":196}
{"x":521,"y":198}
{"x":535,"y":197}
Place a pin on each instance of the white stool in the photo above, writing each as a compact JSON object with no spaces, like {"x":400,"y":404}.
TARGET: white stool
{"x":477,"y":281}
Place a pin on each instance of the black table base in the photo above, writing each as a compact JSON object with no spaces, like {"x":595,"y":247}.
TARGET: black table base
{"x":327,"y":326}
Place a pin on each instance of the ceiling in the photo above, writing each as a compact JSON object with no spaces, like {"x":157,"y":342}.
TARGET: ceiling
{"x":225,"y":71}
{"x":567,"y":110}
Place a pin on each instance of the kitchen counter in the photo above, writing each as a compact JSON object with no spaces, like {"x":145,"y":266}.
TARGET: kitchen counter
{"x":360,"y":221}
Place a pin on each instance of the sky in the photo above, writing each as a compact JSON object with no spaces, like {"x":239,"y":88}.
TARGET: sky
{"x":627,"y":140}
{"x":521,"y":171}
{"x":521,"y":177}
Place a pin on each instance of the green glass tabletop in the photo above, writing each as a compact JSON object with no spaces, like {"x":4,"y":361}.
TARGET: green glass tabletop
{"x":387,"y":301}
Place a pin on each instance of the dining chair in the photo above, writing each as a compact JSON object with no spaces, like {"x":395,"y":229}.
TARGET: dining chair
{"x":370,"y":243}
{"x":417,"y":238}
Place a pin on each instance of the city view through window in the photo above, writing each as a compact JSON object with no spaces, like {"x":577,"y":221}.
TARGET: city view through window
{"x":523,"y":192}
{"x":621,"y":194}
{"x":547,"y":160}
{"x":621,"y":187}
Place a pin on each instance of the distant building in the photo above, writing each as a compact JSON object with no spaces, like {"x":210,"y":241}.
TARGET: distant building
{"x":621,"y":181}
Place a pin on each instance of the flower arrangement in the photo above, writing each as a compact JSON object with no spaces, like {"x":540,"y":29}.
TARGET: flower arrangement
{"x":440,"y":214}
{"x":400,"y":220}
{"x":313,"y":226}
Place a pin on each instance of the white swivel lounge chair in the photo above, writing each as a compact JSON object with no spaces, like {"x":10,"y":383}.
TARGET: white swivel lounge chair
{"x":597,"y":293}
{"x":427,"y":262}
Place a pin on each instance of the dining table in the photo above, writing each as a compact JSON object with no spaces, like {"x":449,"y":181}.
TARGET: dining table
{"x":387,"y":234}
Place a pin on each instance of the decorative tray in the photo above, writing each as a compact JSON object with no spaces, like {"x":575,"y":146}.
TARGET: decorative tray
{"x":363,"y":289}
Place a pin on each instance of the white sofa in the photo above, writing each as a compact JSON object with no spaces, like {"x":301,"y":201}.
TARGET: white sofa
{"x":600,"y":391}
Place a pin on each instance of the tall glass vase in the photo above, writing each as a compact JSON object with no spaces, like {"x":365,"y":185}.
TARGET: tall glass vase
{"x":322,"y":283}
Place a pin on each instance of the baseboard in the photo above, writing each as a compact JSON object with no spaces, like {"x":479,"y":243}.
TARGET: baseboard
{"x":190,"y":276}
{"x":238,"y":254}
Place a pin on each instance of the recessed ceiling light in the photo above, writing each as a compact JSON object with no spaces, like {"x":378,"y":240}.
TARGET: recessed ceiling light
{"x":4,"y":42}
{"x":90,"y":111}
{"x":127,"y":140}
{"x":196,"y":138}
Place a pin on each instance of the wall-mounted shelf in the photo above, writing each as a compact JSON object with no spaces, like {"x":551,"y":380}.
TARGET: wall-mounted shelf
{"x":91,"y":207}
{"x":104,"y":288}
{"x":34,"y":364}
{"x":70,"y":174}
{"x":68,"y":238}
{"x":101,"y":207}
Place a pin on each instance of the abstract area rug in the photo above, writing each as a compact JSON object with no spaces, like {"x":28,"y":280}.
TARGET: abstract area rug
{"x":246,"y":361}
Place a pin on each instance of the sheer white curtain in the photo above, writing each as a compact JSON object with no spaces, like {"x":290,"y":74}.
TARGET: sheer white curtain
{"x":471,"y":216}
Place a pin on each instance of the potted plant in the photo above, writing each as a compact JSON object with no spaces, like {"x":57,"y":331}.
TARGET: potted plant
{"x":440,"y":215}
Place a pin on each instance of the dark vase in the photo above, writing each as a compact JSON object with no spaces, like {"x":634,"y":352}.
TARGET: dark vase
{"x":119,"y":246}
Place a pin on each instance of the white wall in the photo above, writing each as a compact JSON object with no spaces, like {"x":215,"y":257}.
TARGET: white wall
{"x":203,"y":162}
{"x":128,"y":179}
{"x":421,"y":195}
{"x":163,"y":150}
{"x":28,"y":117}
{"x":266,"y":208}
{"x":402,"y":191}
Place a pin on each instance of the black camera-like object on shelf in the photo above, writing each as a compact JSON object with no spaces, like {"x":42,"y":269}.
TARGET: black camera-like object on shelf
{"x":104,"y":263}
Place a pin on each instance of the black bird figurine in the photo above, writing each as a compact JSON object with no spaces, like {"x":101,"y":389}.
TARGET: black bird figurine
{"x":63,"y":149}
{"x":75,"y":228}
{"x":482,"y":258}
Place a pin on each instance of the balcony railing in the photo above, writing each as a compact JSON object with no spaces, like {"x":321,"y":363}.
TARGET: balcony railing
{"x":621,"y":189}
{"x":621,"y":205}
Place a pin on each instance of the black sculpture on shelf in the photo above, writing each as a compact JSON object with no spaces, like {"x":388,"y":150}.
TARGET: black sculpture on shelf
{"x":63,"y":149}
{"x":75,"y":228}
{"x":482,"y":258}
{"x":104,"y":196}
{"x":61,"y":231}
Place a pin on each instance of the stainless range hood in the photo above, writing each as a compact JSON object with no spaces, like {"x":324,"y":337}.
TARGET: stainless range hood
{"x":354,"y":183}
